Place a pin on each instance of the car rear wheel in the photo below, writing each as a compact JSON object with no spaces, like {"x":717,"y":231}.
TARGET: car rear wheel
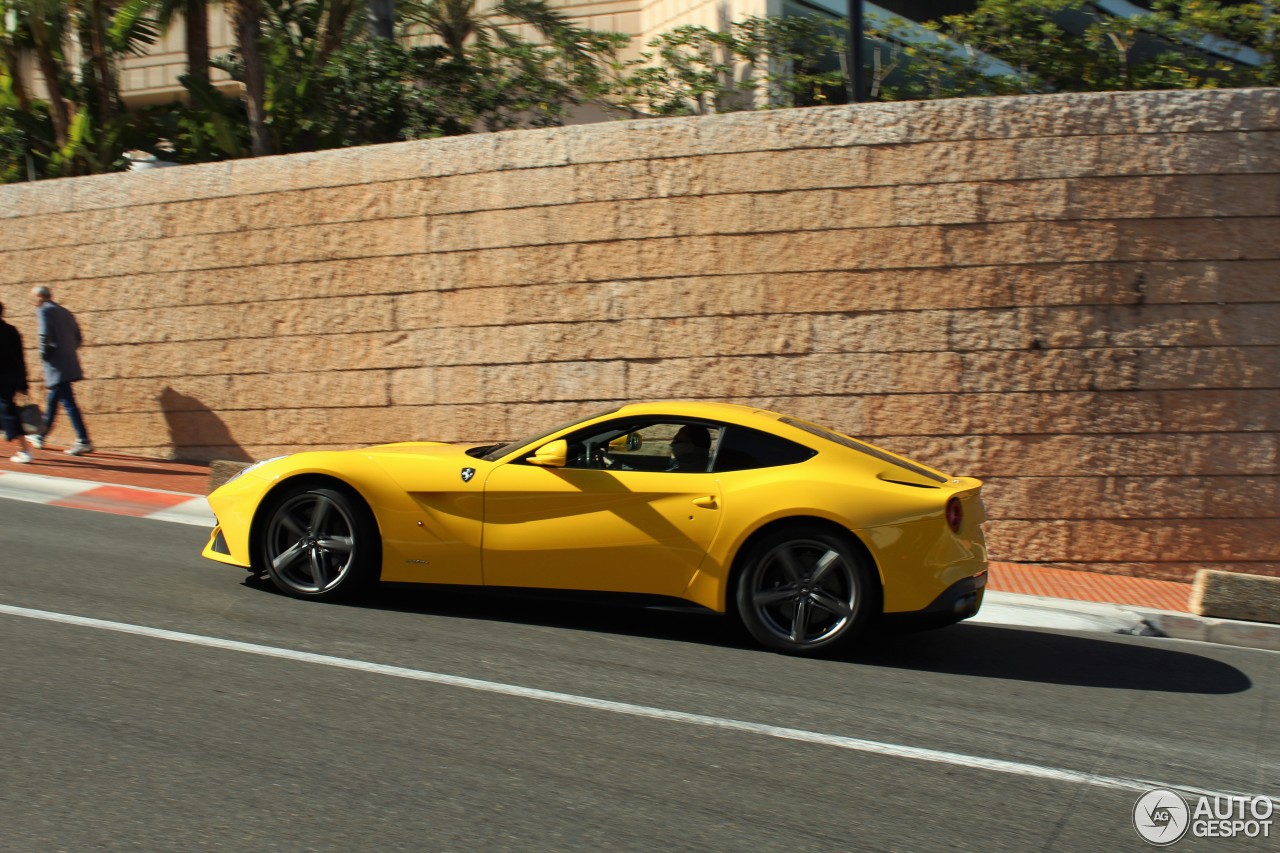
{"x":805,"y":591}
{"x":320,"y":543}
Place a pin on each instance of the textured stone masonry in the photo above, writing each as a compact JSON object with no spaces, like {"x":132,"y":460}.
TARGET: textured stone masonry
{"x":1074,"y":297}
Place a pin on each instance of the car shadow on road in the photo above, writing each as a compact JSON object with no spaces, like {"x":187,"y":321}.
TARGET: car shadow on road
{"x":967,"y":649}
{"x":1048,"y":657}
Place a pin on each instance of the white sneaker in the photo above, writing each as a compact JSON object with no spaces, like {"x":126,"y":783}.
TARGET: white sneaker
{"x":20,"y":457}
{"x":37,"y":441}
{"x":79,"y":449}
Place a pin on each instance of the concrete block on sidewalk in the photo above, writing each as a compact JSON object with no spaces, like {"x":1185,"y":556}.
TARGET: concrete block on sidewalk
{"x":1231,"y":595}
{"x":221,"y":470}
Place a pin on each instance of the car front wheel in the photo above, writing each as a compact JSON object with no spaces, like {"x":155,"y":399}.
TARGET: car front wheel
{"x":805,"y":591}
{"x":320,"y":543}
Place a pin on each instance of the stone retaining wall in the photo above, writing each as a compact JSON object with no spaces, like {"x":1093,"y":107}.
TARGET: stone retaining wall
{"x":1073,"y":297}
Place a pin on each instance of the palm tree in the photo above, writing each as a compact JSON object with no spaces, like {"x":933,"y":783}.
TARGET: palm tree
{"x":246,"y":21}
{"x":459,"y":22}
{"x":11,"y":51}
{"x":45,"y":22}
{"x":195,"y":17}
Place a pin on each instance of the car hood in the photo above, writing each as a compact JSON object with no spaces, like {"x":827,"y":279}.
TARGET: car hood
{"x":428,"y":449}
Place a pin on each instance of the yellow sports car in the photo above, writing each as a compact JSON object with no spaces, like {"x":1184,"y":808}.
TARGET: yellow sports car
{"x":808,"y":536}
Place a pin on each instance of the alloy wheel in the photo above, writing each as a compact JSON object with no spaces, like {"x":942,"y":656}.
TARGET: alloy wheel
{"x":804,"y":592}
{"x":310,"y":543}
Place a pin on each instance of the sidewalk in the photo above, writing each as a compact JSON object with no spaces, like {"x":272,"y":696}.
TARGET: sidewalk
{"x":1017,"y":593}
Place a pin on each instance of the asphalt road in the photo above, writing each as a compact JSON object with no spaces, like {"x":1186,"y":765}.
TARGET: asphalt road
{"x":653,"y":732}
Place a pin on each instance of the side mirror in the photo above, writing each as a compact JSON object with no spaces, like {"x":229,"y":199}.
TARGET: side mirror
{"x":631,"y":441}
{"x":552,"y":455}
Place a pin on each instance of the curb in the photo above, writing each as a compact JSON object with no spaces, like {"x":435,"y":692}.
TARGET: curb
{"x":134,"y":501}
{"x":1207,"y":629}
{"x":1033,"y":611}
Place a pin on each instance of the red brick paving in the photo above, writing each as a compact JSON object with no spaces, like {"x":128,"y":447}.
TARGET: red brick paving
{"x":1089,"y":586}
{"x":193,"y":479}
{"x":190,"y":478}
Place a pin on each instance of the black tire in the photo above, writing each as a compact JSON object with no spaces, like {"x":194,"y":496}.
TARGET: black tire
{"x":320,"y":543}
{"x":805,"y":590}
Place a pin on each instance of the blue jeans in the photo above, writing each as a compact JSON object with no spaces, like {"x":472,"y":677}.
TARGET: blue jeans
{"x":63,"y":393}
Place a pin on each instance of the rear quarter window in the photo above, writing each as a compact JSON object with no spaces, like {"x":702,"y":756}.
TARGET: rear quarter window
{"x":742,"y":449}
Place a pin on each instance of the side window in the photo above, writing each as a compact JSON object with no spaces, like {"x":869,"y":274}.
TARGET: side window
{"x":742,"y":448}
{"x":644,"y":446}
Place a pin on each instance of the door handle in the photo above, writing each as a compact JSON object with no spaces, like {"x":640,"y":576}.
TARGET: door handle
{"x":707,"y":502}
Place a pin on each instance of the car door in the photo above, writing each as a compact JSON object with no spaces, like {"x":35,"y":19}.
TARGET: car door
{"x":628,"y":522}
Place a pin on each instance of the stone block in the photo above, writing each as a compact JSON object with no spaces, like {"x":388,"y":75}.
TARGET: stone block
{"x":881,"y":332}
{"x":774,"y":171}
{"x":929,"y":204}
{"x":612,"y":181}
{"x":1233,"y":454}
{"x":35,"y":199}
{"x":1014,"y":200}
{"x":1196,"y":239}
{"x":105,"y":225}
{"x":1219,"y":367}
{"x":1032,"y":497}
{"x":458,"y":155}
{"x":678,"y":176}
{"x":1173,"y":153}
{"x":290,"y":389}
{"x":629,"y":140}
{"x":1201,"y":282}
{"x":179,"y":183}
{"x":631,"y":219}
{"x":585,"y":222}
{"x":222,"y":470}
{"x":531,"y":149}
{"x":1228,"y":595}
{"x":93,"y":192}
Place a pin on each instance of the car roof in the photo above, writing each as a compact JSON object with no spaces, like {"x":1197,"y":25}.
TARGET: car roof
{"x":701,"y":409}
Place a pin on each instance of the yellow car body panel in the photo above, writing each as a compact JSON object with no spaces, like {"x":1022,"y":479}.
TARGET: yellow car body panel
{"x":446,"y":516}
{"x":634,"y":531}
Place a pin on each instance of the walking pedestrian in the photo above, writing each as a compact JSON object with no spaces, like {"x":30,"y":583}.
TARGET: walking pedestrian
{"x":13,"y":381}
{"x":59,"y":339}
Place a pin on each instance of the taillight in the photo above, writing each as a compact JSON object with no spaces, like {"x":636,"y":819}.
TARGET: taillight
{"x":955,"y":514}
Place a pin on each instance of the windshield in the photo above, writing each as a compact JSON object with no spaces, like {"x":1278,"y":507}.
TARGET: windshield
{"x":502,"y":450}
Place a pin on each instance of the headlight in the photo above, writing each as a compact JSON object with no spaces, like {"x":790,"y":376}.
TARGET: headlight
{"x":249,"y":468}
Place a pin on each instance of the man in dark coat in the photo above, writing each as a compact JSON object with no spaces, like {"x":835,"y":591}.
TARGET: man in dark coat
{"x":13,"y":381}
{"x":59,"y":339}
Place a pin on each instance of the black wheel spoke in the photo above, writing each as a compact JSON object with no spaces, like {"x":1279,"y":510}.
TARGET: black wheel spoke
{"x":290,"y":554}
{"x":774,"y":596}
{"x":317,"y":568}
{"x":800,"y":622}
{"x":825,"y":562}
{"x":337,"y":543}
{"x":319,"y":513}
{"x":790,"y":567}
{"x":294,"y":526}
{"x":831,"y":604}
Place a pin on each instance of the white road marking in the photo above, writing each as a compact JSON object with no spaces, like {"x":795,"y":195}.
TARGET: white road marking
{"x":891,"y":750}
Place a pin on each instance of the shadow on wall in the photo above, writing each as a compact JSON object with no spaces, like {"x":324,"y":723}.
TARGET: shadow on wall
{"x":196,"y":433}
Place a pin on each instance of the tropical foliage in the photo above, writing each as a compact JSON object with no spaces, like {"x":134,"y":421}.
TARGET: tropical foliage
{"x":313,"y":74}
